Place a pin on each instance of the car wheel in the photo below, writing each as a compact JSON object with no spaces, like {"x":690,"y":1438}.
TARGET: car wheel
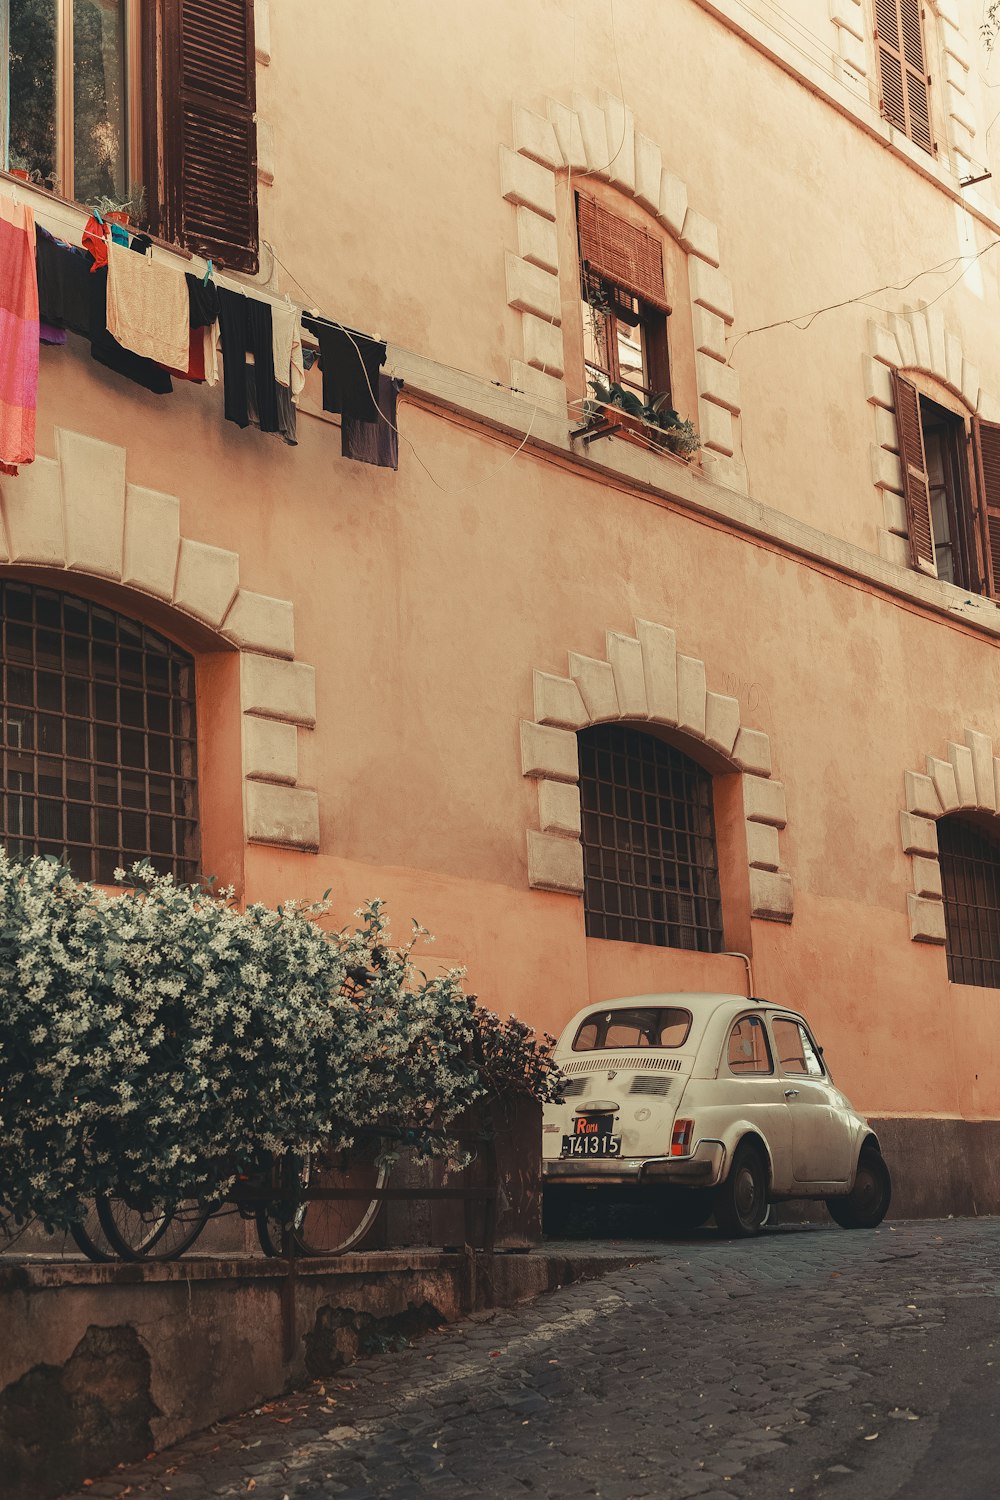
{"x":687,"y":1208}
{"x":867,"y":1204}
{"x":740,"y":1203}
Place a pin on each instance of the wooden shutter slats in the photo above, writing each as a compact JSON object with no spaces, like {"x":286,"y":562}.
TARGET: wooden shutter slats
{"x":911,"y":32}
{"x":210,"y":137}
{"x":629,"y":257}
{"x":986,"y":453}
{"x":887,"y":22}
{"x":916,"y":481}
{"x":905,"y":97}
{"x":893,"y":102}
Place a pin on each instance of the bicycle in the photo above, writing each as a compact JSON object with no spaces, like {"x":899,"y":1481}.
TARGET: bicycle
{"x":131,"y":1229}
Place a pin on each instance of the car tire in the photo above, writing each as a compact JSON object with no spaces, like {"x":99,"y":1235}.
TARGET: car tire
{"x":740,"y":1203}
{"x":687,"y":1209}
{"x":867,"y":1204}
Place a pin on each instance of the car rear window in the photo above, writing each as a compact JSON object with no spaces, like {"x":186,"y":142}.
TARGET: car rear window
{"x":653,"y":1027}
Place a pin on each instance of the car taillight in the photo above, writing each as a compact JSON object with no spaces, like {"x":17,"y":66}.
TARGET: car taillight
{"x":680,"y":1139}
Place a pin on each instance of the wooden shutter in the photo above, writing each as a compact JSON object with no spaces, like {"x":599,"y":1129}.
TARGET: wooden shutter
{"x":899,"y":41}
{"x":916,"y":483}
{"x":986,"y":453}
{"x":209,"y":135}
{"x":629,"y":257}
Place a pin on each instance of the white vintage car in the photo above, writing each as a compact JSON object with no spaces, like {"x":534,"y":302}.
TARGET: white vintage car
{"x":725,"y":1102}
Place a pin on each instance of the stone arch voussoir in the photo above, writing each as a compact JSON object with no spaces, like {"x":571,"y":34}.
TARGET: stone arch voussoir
{"x":966,"y":780}
{"x":644,"y":679}
{"x":78,"y":512}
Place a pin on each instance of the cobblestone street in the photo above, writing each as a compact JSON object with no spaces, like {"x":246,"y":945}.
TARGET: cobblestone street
{"x":811,"y":1362}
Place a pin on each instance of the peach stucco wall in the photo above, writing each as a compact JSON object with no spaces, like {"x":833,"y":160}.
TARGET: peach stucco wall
{"x":425,"y":598}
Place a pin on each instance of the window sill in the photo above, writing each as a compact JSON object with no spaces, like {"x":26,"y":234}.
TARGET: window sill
{"x":42,"y":200}
{"x":612,"y":421}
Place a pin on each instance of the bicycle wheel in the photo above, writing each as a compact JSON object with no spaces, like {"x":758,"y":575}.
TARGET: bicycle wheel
{"x":136,"y":1232}
{"x":90,"y":1237}
{"x":327,"y":1226}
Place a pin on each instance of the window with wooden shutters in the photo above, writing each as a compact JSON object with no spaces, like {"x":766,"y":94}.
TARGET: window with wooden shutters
{"x":207,"y":135}
{"x":916,"y":482}
{"x":986,"y":451}
{"x":899,"y":40}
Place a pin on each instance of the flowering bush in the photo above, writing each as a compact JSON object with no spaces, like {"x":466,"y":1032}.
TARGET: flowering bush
{"x":156,"y":1042}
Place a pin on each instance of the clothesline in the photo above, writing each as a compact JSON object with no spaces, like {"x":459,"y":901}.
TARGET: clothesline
{"x":149,"y":322}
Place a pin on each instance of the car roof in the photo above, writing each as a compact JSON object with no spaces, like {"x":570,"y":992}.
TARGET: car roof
{"x":703,"y":1005}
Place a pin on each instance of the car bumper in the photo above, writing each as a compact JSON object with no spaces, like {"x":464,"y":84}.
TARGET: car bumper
{"x":703,"y":1168}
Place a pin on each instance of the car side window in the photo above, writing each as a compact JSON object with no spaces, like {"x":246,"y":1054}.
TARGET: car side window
{"x":796,"y":1052}
{"x":748,"y":1050}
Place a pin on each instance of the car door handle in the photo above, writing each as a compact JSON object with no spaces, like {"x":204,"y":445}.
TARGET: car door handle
{"x":791,"y":1093}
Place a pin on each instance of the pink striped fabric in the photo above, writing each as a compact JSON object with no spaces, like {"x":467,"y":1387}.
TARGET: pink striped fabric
{"x":18,"y":335}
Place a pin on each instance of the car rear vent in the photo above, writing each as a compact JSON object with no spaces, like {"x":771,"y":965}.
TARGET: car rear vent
{"x":573,"y":1087}
{"x":603,"y":1062}
{"x":650,"y":1083}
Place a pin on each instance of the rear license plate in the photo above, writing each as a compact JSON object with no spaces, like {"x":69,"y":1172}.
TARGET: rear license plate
{"x":591,"y":1145}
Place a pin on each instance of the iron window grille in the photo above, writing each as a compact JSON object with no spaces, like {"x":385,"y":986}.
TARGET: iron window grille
{"x":650,"y":862}
{"x":970,"y":881}
{"x":97,"y":737}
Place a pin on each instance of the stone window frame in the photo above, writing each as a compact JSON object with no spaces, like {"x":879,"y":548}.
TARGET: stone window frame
{"x":574,"y":139}
{"x":966,"y":780}
{"x":915,"y":339}
{"x":645,"y":681}
{"x":78,"y":513}
{"x":948,"y":61}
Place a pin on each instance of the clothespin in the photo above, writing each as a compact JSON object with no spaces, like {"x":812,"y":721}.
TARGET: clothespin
{"x":207,"y":276}
{"x":99,"y":217}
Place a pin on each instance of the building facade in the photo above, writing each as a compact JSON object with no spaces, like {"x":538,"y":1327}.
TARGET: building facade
{"x":607,"y":717}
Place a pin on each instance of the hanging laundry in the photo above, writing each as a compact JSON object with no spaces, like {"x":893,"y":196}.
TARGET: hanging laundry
{"x":287,"y":412}
{"x":107,"y":350}
{"x":49,"y":334}
{"x":351,"y":362}
{"x":95,"y":239}
{"x":147,"y":309}
{"x":211,"y":355}
{"x":247,"y":330}
{"x":18,"y":335}
{"x":286,"y":326}
{"x":375,"y":442}
{"x":64,"y":284}
{"x":203,"y":301}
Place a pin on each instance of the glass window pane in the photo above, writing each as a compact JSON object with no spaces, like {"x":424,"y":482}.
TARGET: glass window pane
{"x":32,"y":87}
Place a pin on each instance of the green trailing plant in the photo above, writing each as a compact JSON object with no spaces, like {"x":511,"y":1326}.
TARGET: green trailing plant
{"x":679,"y":434}
{"x":134,"y":204}
{"x":158,"y":1040}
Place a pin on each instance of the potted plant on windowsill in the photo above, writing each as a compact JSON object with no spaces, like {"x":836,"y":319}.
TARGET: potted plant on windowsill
{"x":632,"y":417}
{"x":128,"y":210}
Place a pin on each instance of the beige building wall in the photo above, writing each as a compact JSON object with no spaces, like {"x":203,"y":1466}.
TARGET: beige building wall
{"x":364,"y":726}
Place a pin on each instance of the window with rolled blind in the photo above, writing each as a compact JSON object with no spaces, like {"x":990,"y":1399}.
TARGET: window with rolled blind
{"x":902,"y":63}
{"x":625,"y":255}
{"x":203,"y":138}
{"x":623,"y":303}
